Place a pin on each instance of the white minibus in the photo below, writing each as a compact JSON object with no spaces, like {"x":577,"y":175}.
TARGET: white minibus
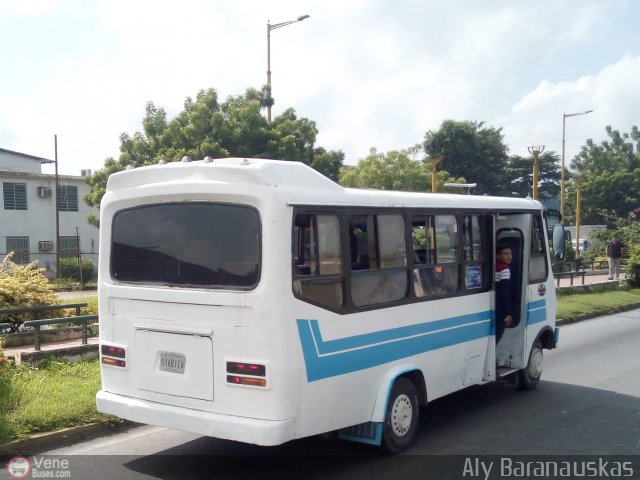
{"x":258,"y":301}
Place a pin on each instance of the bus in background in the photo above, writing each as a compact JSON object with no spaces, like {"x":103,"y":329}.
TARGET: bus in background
{"x":258,"y":301}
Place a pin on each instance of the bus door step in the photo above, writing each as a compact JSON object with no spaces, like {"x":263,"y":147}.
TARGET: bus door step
{"x":506,"y":374}
{"x":505,"y":371}
{"x":370,"y":433}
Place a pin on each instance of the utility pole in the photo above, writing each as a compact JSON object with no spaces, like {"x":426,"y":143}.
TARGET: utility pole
{"x":55,"y":201}
{"x":79,"y":254}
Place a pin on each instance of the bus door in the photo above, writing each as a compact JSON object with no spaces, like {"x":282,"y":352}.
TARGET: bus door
{"x":514,"y":231}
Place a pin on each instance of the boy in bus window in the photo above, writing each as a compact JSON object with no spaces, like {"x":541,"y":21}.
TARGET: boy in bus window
{"x":503,"y":289}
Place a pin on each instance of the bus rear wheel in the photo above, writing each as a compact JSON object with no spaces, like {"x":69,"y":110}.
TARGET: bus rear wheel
{"x":530,"y":376}
{"x":401,"y":421}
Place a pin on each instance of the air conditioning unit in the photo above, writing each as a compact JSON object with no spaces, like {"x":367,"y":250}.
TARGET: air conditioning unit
{"x":44,"y":192}
{"x":45,"y":246}
{"x":85,"y":172}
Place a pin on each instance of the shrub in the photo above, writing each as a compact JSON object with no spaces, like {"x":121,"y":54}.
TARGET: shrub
{"x":69,"y":269}
{"x":633,"y":265}
{"x":23,"y":286}
{"x":2,"y":357}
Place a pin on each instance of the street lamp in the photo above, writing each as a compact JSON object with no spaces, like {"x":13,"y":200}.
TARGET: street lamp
{"x":564,"y":118}
{"x":269,"y":28}
{"x":434,"y":161}
{"x":535,"y":150}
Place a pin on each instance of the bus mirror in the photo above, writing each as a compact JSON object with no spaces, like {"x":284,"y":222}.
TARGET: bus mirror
{"x":558,"y":242}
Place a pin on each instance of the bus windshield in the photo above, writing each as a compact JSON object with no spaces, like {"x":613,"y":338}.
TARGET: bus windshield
{"x":186,"y":245}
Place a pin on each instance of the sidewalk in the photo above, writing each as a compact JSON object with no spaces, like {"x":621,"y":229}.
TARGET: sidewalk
{"x":16,"y":352}
{"x":589,"y":279}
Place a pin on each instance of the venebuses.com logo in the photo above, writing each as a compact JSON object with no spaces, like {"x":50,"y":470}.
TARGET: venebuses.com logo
{"x":18,"y":467}
{"x":38,"y":467}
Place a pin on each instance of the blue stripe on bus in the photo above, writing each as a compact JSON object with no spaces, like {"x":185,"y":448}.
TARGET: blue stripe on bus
{"x":536,"y":312}
{"x":350,"y":354}
{"x":358,"y":341}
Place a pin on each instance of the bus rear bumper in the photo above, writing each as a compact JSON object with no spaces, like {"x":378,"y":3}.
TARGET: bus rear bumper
{"x":229,"y":427}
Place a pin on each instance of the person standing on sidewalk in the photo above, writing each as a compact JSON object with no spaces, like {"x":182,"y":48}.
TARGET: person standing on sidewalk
{"x":614,"y":254}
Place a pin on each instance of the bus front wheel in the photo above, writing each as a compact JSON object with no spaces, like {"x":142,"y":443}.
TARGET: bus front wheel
{"x":401,"y":421}
{"x":530,"y":376}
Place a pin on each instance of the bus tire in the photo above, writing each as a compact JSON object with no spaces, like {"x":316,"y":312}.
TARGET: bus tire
{"x":401,"y":420}
{"x":530,"y":376}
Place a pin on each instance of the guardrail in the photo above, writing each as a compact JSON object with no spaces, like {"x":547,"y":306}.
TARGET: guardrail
{"x":36,"y":324}
{"x":571,"y":275}
{"x":14,"y":324}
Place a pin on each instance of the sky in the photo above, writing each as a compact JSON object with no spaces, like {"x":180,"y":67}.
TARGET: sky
{"x":370,"y":73}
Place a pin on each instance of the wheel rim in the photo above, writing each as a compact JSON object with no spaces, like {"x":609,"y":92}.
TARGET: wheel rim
{"x":401,"y":415}
{"x":535,"y":363}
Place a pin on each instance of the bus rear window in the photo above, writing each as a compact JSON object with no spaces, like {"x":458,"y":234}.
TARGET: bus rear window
{"x":187,"y":245}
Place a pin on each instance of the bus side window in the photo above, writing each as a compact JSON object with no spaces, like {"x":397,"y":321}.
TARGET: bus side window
{"x":474,"y":277}
{"x":379,"y":259}
{"x":438,"y":236}
{"x":538,"y":270}
{"x":317,"y":266}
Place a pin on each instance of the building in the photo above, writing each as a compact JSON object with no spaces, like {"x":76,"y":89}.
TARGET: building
{"x":28,"y":213}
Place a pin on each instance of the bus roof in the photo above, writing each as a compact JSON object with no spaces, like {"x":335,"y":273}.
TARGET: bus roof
{"x":299,"y":184}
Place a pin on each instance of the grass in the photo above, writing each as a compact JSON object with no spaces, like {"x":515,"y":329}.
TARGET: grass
{"x":70,"y":283}
{"x":46,"y":397}
{"x":578,"y":304}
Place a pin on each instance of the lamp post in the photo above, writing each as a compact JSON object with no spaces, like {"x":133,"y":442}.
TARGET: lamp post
{"x":535,"y":150}
{"x":269,"y":28}
{"x":564,"y":118}
{"x":577,"y":219}
{"x":434,"y":161}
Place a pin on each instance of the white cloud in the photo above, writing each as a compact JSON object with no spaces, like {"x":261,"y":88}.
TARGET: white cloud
{"x":29,"y":7}
{"x":611,"y":93}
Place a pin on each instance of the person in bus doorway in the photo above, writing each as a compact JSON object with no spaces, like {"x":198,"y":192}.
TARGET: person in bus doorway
{"x":614,"y":254}
{"x":503,"y":289}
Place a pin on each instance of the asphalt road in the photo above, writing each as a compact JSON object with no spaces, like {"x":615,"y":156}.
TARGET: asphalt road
{"x":588,"y":403}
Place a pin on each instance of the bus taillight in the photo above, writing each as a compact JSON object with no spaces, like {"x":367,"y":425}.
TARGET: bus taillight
{"x":248,"y":374}
{"x":113,"y":351}
{"x":246,"y":368}
{"x":113,"y":355}
{"x":113,"y":362}
{"x":252,"y":382}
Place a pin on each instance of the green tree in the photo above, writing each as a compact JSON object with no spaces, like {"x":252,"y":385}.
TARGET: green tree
{"x":609,"y":178}
{"x":206,"y":127}
{"x":394,"y":170}
{"x":471,"y":150}
{"x":519,"y":172}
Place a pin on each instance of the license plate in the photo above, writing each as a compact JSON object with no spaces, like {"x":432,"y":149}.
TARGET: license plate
{"x":172,"y":362}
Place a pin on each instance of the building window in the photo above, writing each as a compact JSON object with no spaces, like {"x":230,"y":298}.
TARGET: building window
{"x":69,"y":246}
{"x":67,"y":198}
{"x":20,"y":248}
{"x":15,"y":196}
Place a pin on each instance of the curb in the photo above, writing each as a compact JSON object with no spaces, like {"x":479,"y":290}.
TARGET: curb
{"x":64,"y":437}
{"x":587,"y":316}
